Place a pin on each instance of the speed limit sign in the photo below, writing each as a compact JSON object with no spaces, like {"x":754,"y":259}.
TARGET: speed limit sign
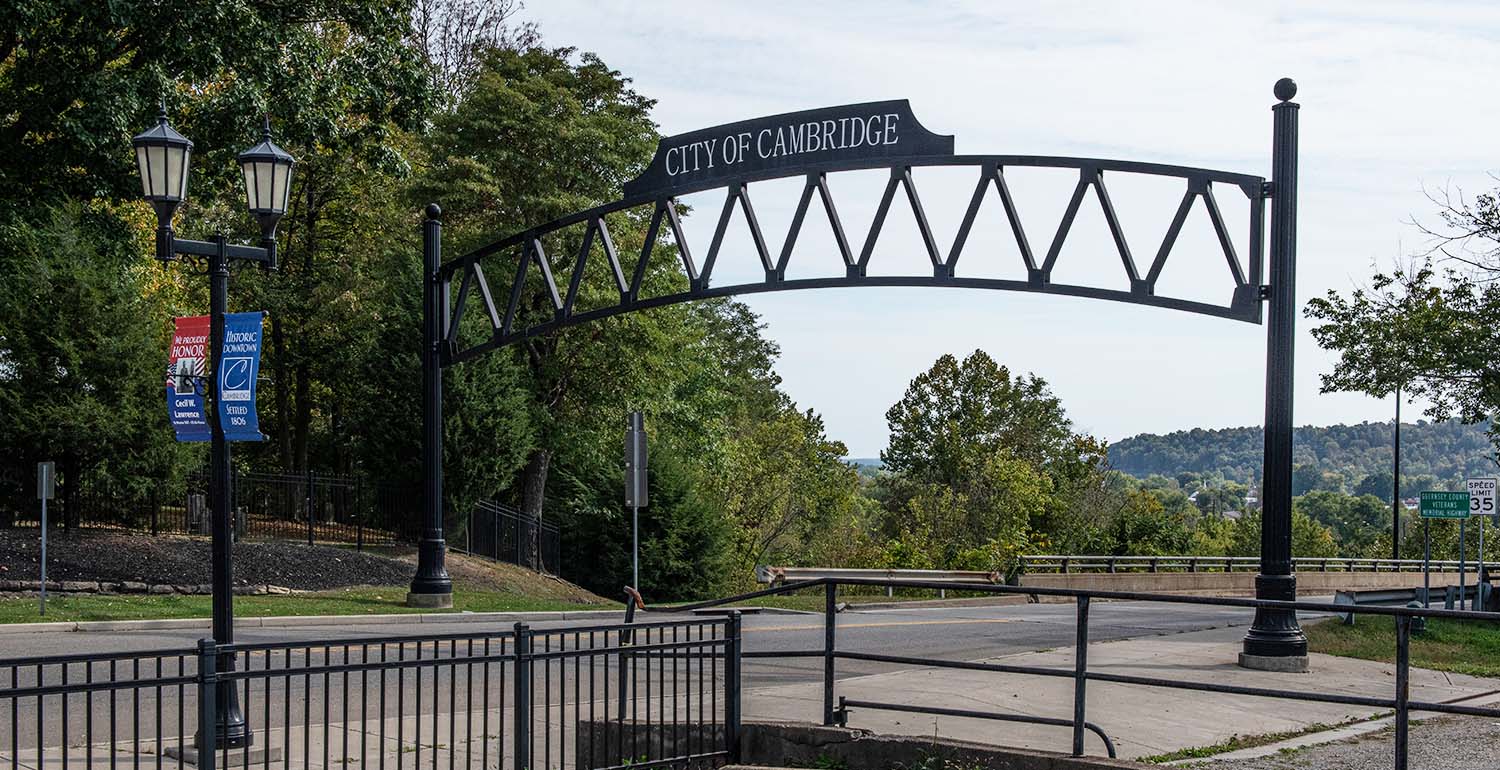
{"x":1481,"y":497}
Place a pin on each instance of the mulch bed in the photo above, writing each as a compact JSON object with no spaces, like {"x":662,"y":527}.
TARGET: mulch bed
{"x":175,"y":560}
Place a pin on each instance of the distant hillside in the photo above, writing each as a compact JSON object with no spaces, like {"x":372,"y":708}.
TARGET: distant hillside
{"x":1449,"y":451}
{"x":865,"y":462}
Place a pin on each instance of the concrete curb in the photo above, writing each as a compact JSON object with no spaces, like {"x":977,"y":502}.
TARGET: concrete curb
{"x":295,"y":621}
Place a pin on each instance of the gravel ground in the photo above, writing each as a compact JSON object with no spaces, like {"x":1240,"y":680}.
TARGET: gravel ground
{"x":1440,"y":743}
{"x":178,"y":560}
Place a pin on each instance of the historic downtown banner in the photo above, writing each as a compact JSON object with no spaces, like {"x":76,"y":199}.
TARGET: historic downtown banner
{"x":185,"y":386}
{"x":239,"y":366}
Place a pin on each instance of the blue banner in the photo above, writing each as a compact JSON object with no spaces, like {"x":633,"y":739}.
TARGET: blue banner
{"x":185,"y":384}
{"x":239,"y":366}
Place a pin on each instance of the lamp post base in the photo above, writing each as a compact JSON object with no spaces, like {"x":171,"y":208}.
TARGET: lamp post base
{"x":1282,"y":664}
{"x":1275,"y":641}
{"x":430,"y":601}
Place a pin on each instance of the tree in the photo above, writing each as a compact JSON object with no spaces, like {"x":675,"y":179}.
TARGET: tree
{"x":81,"y":362}
{"x":535,"y":137}
{"x":954,"y":411}
{"x":1432,"y":333}
{"x":1377,"y":484}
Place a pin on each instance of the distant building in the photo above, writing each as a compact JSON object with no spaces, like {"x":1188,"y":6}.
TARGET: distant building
{"x":1233,"y":515}
{"x":1252,"y":497}
{"x":1411,"y":503}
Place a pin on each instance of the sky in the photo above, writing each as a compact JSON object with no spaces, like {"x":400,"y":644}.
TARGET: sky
{"x":1393,"y":107}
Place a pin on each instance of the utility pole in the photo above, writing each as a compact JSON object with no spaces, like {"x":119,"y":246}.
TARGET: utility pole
{"x":1396,"y":483}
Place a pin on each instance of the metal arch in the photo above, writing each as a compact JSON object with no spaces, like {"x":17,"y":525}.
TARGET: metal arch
{"x":525,"y":247}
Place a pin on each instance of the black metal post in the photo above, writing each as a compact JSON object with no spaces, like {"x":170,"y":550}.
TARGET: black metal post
{"x":627,"y":662}
{"x":1396,"y":483}
{"x":522,"y":739}
{"x":432,"y":587}
{"x":732,"y":688}
{"x":1080,"y":674}
{"x":1403,"y":685}
{"x":208,"y":700}
{"x":308,"y":505}
{"x":232,"y":731}
{"x":1275,"y":641}
{"x":830,"y":623}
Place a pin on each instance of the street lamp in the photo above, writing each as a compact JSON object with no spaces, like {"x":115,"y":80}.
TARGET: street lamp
{"x":268,"y":183}
{"x":163,"y":157}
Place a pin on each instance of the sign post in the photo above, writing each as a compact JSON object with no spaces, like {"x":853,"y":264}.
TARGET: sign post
{"x":635,"y":488}
{"x":46,"y":485}
{"x":1445,"y":505}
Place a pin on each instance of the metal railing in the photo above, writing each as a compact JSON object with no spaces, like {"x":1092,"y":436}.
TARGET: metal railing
{"x":1081,"y":674}
{"x":501,"y":533}
{"x":521,"y":699}
{"x":1045,"y":564}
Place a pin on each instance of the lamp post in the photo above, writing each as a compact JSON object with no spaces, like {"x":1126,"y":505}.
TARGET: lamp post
{"x":163,"y":157}
{"x":1275,"y":641}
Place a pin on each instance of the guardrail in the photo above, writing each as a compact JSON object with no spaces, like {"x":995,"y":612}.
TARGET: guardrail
{"x":1044,"y":564}
{"x":1478,"y":595}
{"x":1080,"y":673}
{"x":779,"y":575}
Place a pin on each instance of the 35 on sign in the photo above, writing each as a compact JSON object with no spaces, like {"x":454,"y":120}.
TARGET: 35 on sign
{"x":1481,"y":496}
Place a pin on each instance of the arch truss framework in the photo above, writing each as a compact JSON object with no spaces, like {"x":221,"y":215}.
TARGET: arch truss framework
{"x":524,"y":255}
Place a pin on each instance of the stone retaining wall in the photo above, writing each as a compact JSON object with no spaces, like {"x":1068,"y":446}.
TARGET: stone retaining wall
{"x":128,"y":587}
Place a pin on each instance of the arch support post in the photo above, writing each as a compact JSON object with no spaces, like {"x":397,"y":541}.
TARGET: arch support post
{"x":1275,"y":641}
{"x":432,"y":587}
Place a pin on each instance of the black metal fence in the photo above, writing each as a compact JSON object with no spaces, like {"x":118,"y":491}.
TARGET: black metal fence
{"x":607,"y":696}
{"x":505,"y":534}
{"x":837,"y":710}
{"x":267,"y":506}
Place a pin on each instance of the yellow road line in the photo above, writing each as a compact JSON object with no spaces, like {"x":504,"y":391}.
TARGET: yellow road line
{"x":752,"y":630}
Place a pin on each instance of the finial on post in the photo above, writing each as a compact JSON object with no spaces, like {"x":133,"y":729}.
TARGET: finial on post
{"x":434,"y":211}
{"x":1286,"y":88}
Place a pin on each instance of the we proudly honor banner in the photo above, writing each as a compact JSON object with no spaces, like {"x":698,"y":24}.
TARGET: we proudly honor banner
{"x":185,"y":386}
{"x":239,"y":366}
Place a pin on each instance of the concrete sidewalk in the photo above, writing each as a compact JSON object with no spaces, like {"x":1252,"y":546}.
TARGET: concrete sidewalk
{"x":1142,"y":721}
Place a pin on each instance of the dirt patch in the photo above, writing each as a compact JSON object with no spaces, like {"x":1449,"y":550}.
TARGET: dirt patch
{"x":473,"y":573}
{"x":178,"y":560}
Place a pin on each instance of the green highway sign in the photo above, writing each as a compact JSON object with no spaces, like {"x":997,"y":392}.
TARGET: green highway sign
{"x":1445,"y":505}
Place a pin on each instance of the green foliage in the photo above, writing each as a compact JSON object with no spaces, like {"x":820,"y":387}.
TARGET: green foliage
{"x":81,"y":360}
{"x":954,"y":411}
{"x":1449,"y":451}
{"x":1356,"y":522}
{"x":1310,"y":539}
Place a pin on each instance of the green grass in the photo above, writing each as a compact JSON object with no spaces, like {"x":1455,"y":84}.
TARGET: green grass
{"x":1461,"y":646}
{"x":1237,"y":742}
{"x":353,"y":601}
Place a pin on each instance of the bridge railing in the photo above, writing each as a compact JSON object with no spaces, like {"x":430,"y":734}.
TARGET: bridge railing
{"x":1066,"y":564}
